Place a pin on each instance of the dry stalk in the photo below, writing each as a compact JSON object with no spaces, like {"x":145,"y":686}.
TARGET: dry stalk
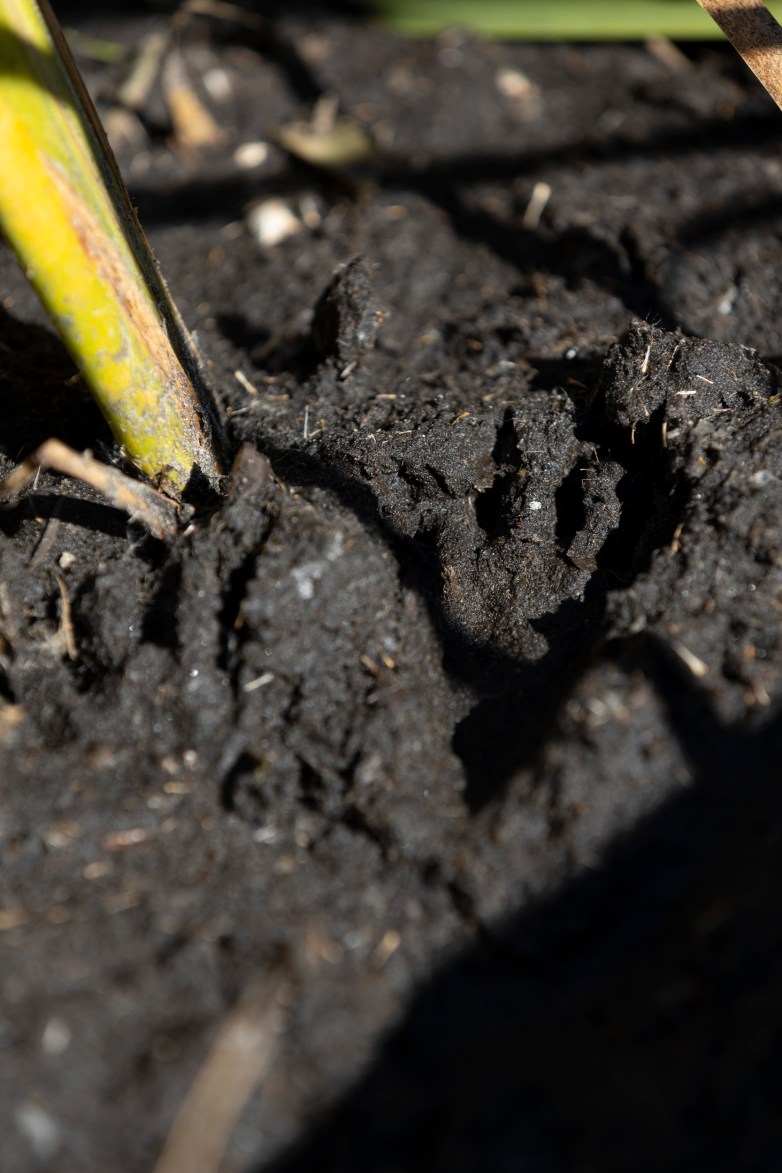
{"x":237,"y":1063}
{"x":142,"y":502}
{"x":755,"y":35}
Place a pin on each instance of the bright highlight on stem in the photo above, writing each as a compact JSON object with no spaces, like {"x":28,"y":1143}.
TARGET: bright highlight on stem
{"x":68,"y":217}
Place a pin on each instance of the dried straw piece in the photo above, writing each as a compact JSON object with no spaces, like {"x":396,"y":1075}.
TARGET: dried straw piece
{"x":158,"y":513}
{"x":755,"y":35}
{"x":240,"y":1058}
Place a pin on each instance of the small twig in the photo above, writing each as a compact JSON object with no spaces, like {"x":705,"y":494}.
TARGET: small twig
{"x":755,"y":35}
{"x":134,"y":91}
{"x":240,"y":1057}
{"x":45,"y":542}
{"x":194,"y":126}
{"x":142,"y":502}
{"x":66,"y":621}
{"x":541,"y":194}
{"x":249,"y":387}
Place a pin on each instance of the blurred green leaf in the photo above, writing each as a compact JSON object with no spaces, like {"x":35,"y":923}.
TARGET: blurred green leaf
{"x":538,"y":20}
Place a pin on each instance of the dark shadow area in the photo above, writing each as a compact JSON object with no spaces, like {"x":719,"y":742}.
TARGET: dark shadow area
{"x":242,"y":333}
{"x":759,"y":214}
{"x":89,"y":515}
{"x":160,"y":618}
{"x":230,"y":635}
{"x":518,"y":715}
{"x":491,"y":510}
{"x":291,"y":351}
{"x":571,"y":509}
{"x":651,"y":509}
{"x":576,"y":375}
{"x":41,"y":394}
{"x":628,"y":1024}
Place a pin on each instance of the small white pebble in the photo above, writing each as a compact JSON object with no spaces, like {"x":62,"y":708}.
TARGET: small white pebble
{"x":728,"y":300}
{"x":514,"y":85}
{"x":272,"y":222}
{"x":535,"y":506}
{"x":249,"y":155}
{"x":56,"y":1037}
{"x":217,"y":84}
{"x":763,"y":477}
{"x":67,"y":560}
{"x":266,"y":834}
{"x":39,"y":1128}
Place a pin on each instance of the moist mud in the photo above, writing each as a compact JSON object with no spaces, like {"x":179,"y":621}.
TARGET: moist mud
{"x":462,"y":710}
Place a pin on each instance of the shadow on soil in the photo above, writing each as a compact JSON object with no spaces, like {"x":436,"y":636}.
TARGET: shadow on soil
{"x":629,"y":1024}
{"x":41,"y":394}
{"x":88,"y":515}
{"x":575,"y":254}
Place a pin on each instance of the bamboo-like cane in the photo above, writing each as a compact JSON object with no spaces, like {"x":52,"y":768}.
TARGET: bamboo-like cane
{"x":755,"y":35}
{"x":68,"y":217}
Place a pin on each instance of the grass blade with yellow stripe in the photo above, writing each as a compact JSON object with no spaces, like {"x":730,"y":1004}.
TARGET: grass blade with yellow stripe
{"x":66,"y":213}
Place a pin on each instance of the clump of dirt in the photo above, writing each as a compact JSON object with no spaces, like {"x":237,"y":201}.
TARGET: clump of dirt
{"x":461,"y":711}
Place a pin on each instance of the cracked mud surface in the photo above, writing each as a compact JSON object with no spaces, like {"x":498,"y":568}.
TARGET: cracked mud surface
{"x":464,"y":707}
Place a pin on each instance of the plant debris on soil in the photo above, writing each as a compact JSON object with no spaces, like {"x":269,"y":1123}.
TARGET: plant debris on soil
{"x":454,"y":730}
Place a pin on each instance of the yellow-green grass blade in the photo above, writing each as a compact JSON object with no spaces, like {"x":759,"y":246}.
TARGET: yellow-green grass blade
{"x":66,"y":213}
{"x":574,"y":20}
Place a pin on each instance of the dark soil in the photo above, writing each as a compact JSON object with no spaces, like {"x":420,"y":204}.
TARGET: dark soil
{"x":463,"y":710}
